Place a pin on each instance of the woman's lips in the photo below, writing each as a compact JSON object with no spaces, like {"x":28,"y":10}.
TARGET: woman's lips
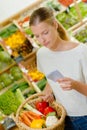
{"x":46,"y":43}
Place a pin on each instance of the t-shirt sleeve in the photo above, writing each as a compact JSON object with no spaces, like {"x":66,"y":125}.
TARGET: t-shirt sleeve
{"x":39,"y":64}
{"x":83,"y":62}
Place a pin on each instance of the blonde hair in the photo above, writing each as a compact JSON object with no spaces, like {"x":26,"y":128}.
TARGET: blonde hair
{"x":46,"y":14}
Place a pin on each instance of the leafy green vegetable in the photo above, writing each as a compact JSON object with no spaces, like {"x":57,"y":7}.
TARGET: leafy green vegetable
{"x":67,"y":19}
{"x":8,"y":31}
{"x":83,"y":9}
{"x":16,"y":72}
{"x":82,"y":35}
{"x":5,"y":57}
{"x":21,"y":99}
{"x":70,"y":18}
{"x":8,"y":103}
{"x":53,"y":5}
{"x":6,"y":79}
{"x":28,"y":31}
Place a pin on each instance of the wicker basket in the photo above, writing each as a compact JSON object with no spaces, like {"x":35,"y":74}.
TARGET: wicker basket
{"x":32,"y":100}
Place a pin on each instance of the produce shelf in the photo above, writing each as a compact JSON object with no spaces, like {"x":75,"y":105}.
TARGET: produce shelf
{"x":5,"y":60}
{"x":71,"y":19}
{"x":10,"y":86}
{"x":29,"y":61}
{"x":81,"y":33}
{"x":16,"y":43}
{"x":10,"y":76}
{"x":20,"y":23}
{"x":7,"y":68}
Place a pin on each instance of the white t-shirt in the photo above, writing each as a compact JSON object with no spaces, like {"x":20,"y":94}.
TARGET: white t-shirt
{"x":71,"y":63}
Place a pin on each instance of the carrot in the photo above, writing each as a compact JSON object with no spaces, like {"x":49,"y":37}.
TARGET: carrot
{"x":30,"y":116}
{"x":20,"y":118}
{"x":34,"y":115}
{"x":25,"y":119}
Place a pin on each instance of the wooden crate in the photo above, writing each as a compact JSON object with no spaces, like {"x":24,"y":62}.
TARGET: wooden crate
{"x":83,"y":34}
{"x":29,"y":62}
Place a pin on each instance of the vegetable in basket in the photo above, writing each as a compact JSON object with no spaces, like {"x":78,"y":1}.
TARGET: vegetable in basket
{"x":38,"y":123}
{"x":51,"y":120}
{"x":48,"y":110}
{"x":27,"y":117}
{"x":21,"y":99}
{"x":40,"y":106}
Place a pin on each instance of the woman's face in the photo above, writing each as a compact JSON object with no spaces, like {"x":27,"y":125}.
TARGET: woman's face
{"x":46,"y":34}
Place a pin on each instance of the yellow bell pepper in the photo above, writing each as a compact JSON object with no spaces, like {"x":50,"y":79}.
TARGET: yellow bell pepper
{"x":37,"y":123}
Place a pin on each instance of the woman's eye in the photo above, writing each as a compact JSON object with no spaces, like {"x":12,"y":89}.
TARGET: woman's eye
{"x":37,"y":36}
{"x":46,"y":32}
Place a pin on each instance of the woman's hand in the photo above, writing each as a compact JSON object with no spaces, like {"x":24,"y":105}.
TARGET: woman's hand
{"x":66,"y":83}
{"x":48,"y":94}
{"x":69,"y":84}
{"x":49,"y":97}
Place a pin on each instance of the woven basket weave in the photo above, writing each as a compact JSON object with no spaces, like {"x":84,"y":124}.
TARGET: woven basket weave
{"x":31,"y":100}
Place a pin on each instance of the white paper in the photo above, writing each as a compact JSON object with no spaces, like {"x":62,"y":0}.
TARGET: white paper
{"x":55,"y":75}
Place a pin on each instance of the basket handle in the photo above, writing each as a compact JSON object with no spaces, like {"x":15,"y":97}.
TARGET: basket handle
{"x":27,"y":100}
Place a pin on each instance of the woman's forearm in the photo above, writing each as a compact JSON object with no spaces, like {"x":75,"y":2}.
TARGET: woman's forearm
{"x":81,"y":87}
{"x":47,"y":89}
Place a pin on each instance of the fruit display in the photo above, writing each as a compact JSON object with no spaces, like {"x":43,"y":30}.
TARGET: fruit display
{"x":19,"y":44}
{"x":16,"y":41}
{"x":36,"y":75}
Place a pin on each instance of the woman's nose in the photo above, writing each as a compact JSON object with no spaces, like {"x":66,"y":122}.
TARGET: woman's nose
{"x":42,"y":39}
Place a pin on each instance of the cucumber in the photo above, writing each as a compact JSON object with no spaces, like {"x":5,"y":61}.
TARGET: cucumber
{"x":22,"y":86}
{"x":42,"y":83}
{"x":23,"y":83}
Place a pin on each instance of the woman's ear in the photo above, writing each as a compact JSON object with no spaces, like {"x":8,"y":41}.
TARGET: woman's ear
{"x":55,"y":24}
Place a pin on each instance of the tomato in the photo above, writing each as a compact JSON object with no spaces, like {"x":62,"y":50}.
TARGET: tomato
{"x":66,"y":2}
{"x":84,"y":0}
{"x":26,"y":19}
{"x":40,"y":106}
{"x":48,"y":110}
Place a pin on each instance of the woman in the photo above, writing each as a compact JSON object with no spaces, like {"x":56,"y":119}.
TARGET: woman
{"x":59,"y":53}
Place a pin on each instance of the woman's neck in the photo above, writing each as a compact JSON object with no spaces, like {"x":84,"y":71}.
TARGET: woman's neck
{"x":62,"y":45}
{"x":59,"y":45}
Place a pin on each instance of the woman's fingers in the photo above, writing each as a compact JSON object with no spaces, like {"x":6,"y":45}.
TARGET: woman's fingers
{"x":65,"y":84}
{"x":48,"y":97}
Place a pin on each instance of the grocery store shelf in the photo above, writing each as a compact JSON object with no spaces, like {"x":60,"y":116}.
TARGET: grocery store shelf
{"x":6,"y":69}
{"x":8,"y":87}
{"x":78,"y":25}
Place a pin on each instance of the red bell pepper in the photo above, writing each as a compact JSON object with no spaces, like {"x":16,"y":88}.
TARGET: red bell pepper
{"x":48,"y":110}
{"x":40,"y":106}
